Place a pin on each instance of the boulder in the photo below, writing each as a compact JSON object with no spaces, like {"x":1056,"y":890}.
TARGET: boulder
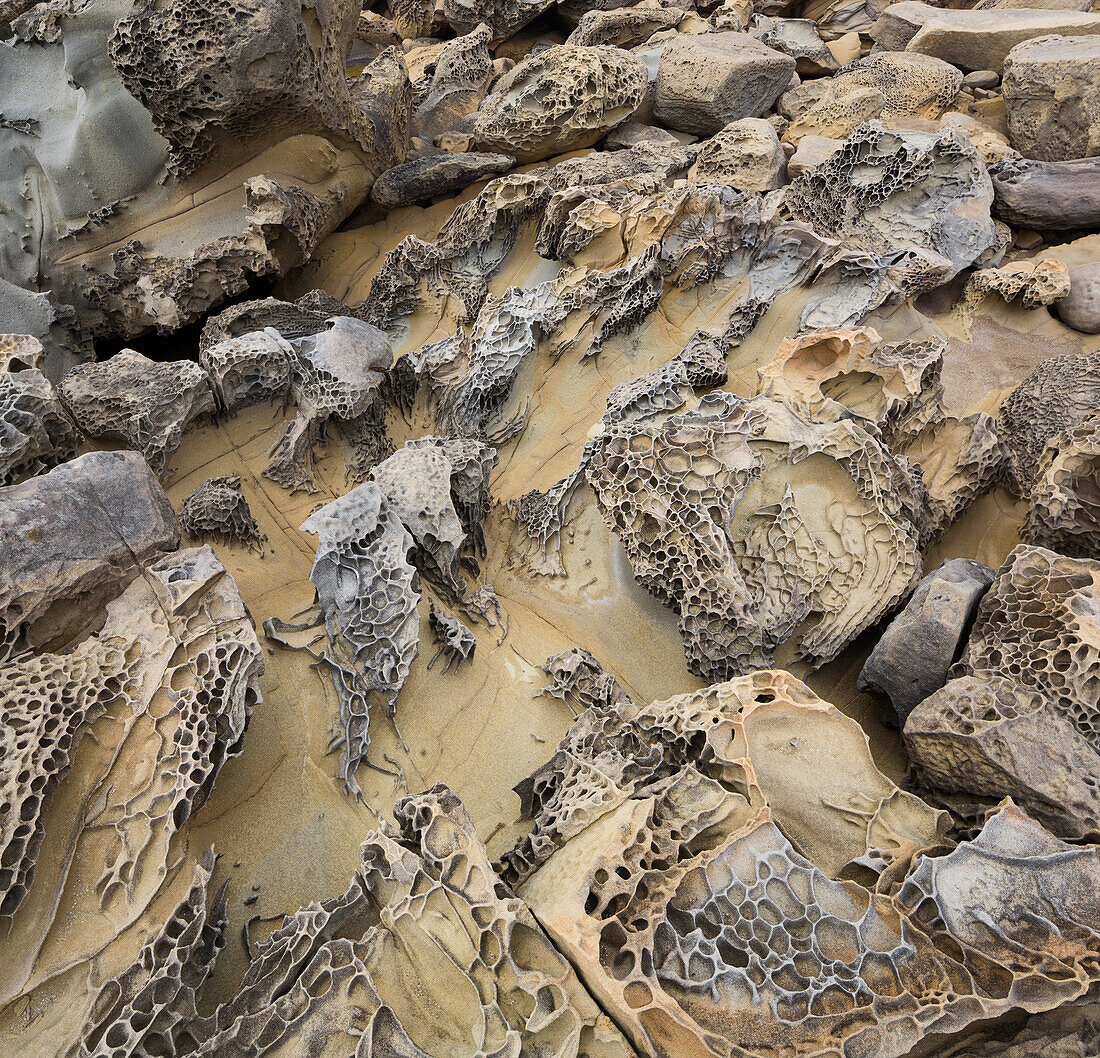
{"x":746,"y":155}
{"x":1080,"y":308}
{"x":435,"y":175}
{"x":913,"y":656}
{"x":980,"y":735}
{"x":145,"y":404}
{"x":704,"y":82}
{"x":972,"y":40}
{"x":1052,"y":97}
{"x":1047,"y":196}
{"x":75,"y":536}
{"x":561,"y":99}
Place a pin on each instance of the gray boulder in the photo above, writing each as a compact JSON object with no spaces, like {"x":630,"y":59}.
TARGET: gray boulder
{"x":75,"y":536}
{"x":972,"y":40}
{"x":1052,"y":97}
{"x":435,"y":175}
{"x":1047,"y":196}
{"x":911,"y":659}
{"x":706,"y":81}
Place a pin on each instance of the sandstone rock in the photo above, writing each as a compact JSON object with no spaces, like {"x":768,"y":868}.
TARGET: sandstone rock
{"x":973,"y":40}
{"x":503,"y":17}
{"x":1080,"y":308}
{"x":1055,"y":397}
{"x":1065,"y":503}
{"x":1035,"y":283}
{"x":623,"y":27}
{"x":989,"y":737}
{"x":424,"y":909}
{"x":459,"y":78}
{"x":1047,"y":196}
{"x":811,"y":151}
{"x":705,"y":82}
{"x":633,"y":134}
{"x":1039,"y":626}
{"x":851,"y":373}
{"x":249,"y":369}
{"x":218,"y":508}
{"x":928,"y":198}
{"x":166,"y":101}
{"x":959,"y":459}
{"x":179,"y":631}
{"x":746,"y":155}
{"x":559,"y":100}
{"x":133,"y":399}
{"x":431,"y":495}
{"x":911,"y":659}
{"x":74,"y":536}
{"x":886,"y":85}
{"x":798,"y":38}
{"x":643,"y":863}
{"x":436,"y":175}
{"x":336,"y":373}
{"x":1052,"y":96}
{"x":36,"y":432}
{"x":774,"y":565}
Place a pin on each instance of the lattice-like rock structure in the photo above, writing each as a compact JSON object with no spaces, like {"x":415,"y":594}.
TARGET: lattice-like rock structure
{"x":412,"y":513}
{"x":335,"y":373}
{"x":36,"y":432}
{"x":959,"y":459}
{"x":988,"y":736}
{"x":218,"y":507}
{"x":452,"y":638}
{"x":133,"y":399}
{"x":148,"y":708}
{"x":1056,"y":396}
{"x":708,"y":915}
{"x":1039,"y":625}
{"x":766,"y":740}
{"x":425,"y":953}
{"x":760,"y":526}
{"x":1065,"y":494}
{"x":1033,"y":283}
{"x":150,"y":1007}
{"x":919,"y":202}
{"x":249,"y":368}
{"x":839,"y":373}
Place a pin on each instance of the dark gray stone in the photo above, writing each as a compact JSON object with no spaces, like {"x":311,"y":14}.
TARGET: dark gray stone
{"x":1047,"y":196}
{"x":435,"y":175}
{"x":911,"y":659}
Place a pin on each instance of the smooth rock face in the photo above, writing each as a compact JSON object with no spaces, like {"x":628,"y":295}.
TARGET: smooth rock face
{"x":76,"y":534}
{"x":911,"y":659}
{"x":1080,"y":308}
{"x":973,"y":40}
{"x":559,"y":100}
{"x":435,"y":175}
{"x":705,"y":82}
{"x":1052,"y":96}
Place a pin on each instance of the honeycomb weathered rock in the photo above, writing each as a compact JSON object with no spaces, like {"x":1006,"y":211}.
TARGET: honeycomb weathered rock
{"x":991,"y":737}
{"x":564,"y":98}
{"x":727,"y":514}
{"x":36,"y":432}
{"x":1065,"y":493}
{"x":218,"y":507}
{"x":1055,"y":397}
{"x":133,"y":399}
